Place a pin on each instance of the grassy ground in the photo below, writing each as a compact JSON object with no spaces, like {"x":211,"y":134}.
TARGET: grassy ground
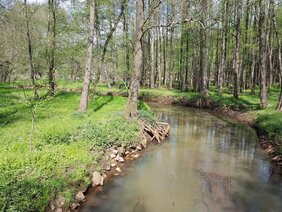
{"x":57,"y":155}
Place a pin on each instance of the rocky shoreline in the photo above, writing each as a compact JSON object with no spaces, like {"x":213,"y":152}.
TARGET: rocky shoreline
{"x":114,"y":158}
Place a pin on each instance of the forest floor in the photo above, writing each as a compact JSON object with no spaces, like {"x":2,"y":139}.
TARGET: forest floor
{"x":59,"y":155}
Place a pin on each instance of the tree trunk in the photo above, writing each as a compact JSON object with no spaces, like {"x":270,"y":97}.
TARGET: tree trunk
{"x":88,"y":65}
{"x":263,"y":55}
{"x":279,"y":105}
{"x":203,"y":49}
{"x":237,"y":49}
{"x":171,"y":59}
{"x":245,"y":51}
{"x":152,"y":64}
{"x":131,"y":109}
{"x":52,"y":44}
{"x":31,"y":69}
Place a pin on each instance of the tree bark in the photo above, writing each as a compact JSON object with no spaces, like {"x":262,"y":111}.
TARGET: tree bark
{"x":30,"y":57}
{"x":279,"y":105}
{"x":131,"y":109}
{"x":203,"y":49}
{"x":52,"y":44}
{"x":263,"y":55}
{"x":88,"y":65}
{"x":237,"y":49}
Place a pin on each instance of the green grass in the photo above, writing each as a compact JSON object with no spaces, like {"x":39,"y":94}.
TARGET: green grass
{"x":65,"y":144}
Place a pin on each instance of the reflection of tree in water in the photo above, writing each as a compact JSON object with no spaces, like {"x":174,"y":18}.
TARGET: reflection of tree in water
{"x":215,"y":189}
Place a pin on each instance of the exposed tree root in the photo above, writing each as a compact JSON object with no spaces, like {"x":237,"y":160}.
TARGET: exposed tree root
{"x":150,"y":132}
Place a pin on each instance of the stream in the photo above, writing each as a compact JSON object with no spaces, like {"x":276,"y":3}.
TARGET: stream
{"x":206,"y":164}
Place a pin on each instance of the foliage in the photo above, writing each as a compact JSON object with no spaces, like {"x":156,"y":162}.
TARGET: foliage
{"x":65,"y":144}
{"x":270,"y":123}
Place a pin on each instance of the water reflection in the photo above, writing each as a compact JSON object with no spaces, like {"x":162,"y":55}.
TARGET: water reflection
{"x":208,"y":164}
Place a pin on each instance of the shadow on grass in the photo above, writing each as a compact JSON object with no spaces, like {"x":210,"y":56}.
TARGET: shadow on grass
{"x":100,"y":101}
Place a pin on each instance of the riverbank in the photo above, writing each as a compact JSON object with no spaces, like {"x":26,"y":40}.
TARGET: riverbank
{"x":267,"y":122}
{"x":57,"y":156}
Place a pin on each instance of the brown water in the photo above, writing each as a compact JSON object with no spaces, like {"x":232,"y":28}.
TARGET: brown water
{"x":207,"y":164}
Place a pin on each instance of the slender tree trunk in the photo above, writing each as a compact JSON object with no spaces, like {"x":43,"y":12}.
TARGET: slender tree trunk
{"x":88,"y":65}
{"x":263,"y":55}
{"x":127,"y":44}
{"x":279,"y":105}
{"x":171,"y":59}
{"x":203,"y":49}
{"x":131,"y":109}
{"x":237,"y":49}
{"x":245,"y":65}
{"x":31,"y":69}
{"x":223,"y":47}
{"x":152,"y":64}
{"x":52,"y":44}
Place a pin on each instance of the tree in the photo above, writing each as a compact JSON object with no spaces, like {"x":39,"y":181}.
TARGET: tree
{"x":52,"y":32}
{"x":279,"y":48}
{"x":88,"y":65}
{"x":263,"y":55}
{"x":31,"y":70}
{"x":236,"y":62}
{"x":203,"y":48}
{"x":131,"y":109}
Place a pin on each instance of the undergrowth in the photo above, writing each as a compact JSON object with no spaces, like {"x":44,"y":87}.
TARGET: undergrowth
{"x":64,"y":144}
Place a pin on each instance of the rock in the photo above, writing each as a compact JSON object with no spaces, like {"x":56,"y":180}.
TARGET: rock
{"x":74,"y":206}
{"x":108,"y":168}
{"x":121,"y":150}
{"x":136,"y":156}
{"x":121,"y":160}
{"x":79,"y":196}
{"x":126,"y":152}
{"x":113,"y":165}
{"x":112,"y":155}
{"x":59,"y":210}
{"x":118,"y":169}
{"x":60,"y":201}
{"x":52,"y":207}
{"x":115,"y":151}
{"x":139,"y":148}
{"x":97,"y":179}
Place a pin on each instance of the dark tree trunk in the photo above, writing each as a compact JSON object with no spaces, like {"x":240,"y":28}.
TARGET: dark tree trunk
{"x":52,"y":44}
{"x":31,"y":69}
